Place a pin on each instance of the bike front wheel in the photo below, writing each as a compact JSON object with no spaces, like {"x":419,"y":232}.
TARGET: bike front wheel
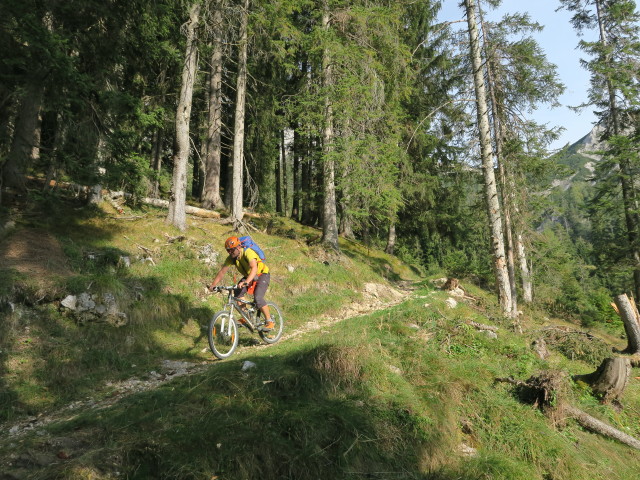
{"x":223,"y":335}
{"x":273,"y":335}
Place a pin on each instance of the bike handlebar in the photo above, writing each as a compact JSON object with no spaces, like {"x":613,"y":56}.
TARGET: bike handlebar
{"x":222,"y":287}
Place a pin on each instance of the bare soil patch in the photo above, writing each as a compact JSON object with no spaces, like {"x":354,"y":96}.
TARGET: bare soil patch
{"x":37,"y":256}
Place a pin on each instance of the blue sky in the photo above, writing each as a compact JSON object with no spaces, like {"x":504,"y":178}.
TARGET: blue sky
{"x":560,"y":43}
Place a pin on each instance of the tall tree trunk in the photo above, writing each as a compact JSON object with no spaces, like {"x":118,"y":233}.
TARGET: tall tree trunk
{"x":178,"y":198}
{"x":297,"y":184}
{"x":391,"y":239}
{"x":491,"y":192}
{"x":279,"y":183}
{"x":156,"y":160}
{"x":329,"y":214}
{"x":238,"y":129}
{"x":307,"y":182}
{"x":6,"y":108}
{"x":211,"y":198}
{"x":505,"y":181}
{"x":25,"y":147}
{"x":286,"y":141}
{"x":525,"y":272}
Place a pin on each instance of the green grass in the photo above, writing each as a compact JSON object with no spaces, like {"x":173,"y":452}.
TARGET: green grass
{"x":391,"y":394}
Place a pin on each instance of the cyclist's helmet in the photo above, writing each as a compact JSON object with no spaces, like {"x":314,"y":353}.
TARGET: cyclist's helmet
{"x":232,"y":242}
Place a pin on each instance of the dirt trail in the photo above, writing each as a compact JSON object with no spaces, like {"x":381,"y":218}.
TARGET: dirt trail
{"x":375,"y":297}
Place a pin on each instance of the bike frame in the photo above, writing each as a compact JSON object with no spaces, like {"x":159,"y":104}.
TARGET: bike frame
{"x":233,"y":303}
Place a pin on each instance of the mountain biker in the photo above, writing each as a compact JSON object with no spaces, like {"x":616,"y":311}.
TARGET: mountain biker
{"x":252,"y":268}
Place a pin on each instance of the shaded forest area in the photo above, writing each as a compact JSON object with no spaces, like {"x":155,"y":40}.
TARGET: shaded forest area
{"x":365,"y":119}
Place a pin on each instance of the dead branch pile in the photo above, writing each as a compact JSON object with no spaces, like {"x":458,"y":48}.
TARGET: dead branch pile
{"x":575,"y":344}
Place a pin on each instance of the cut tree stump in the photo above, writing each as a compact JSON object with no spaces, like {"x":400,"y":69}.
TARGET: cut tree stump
{"x":610,"y":379}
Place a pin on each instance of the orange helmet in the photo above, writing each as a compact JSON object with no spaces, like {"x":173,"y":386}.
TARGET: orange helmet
{"x":231,"y":242}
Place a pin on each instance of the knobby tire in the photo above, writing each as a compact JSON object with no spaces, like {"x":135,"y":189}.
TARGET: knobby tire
{"x":273,"y":335}
{"x":223,"y":335}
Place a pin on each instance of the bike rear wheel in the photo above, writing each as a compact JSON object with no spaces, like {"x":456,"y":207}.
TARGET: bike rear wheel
{"x":223,"y":335}
{"x":272,"y":336}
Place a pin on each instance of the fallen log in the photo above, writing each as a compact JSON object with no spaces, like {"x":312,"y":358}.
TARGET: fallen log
{"x":482,"y":326}
{"x":198,"y":212}
{"x":597,"y":426}
{"x":546,"y":392}
{"x":158,"y":202}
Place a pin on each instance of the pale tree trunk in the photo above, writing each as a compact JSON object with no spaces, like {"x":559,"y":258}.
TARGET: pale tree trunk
{"x":297,"y":183}
{"x":287,"y":139}
{"x":391,"y":239}
{"x":238,"y":129}
{"x":25,"y":147}
{"x":506,"y":184}
{"x":525,"y":272}
{"x":178,"y":198}
{"x":329,"y":216}
{"x":280,"y":178}
{"x":491,"y":192}
{"x":629,"y":314}
{"x":211,"y":194}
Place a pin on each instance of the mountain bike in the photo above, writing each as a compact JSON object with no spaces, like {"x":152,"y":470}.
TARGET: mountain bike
{"x":239,"y":313}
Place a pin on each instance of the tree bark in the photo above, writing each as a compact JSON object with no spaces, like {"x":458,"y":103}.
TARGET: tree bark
{"x":158,"y":202}
{"x":178,"y":197}
{"x":297,"y":184}
{"x":499,"y":134}
{"x":491,"y":193}
{"x":25,"y":147}
{"x":329,"y":213}
{"x":238,"y":129}
{"x":610,"y":379}
{"x":211,"y":193}
{"x":525,"y":272}
{"x":391,"y":239}
{"x":629,"y":315}
{"x":279,"y":177}
{"x":595,"y":425}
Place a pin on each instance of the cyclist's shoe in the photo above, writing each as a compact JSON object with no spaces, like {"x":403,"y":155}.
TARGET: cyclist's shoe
{"x":268,"y":326}
{"x":242,"y":322}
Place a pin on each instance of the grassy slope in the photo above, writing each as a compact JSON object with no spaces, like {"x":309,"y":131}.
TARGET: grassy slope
{"x":392,"y":394}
